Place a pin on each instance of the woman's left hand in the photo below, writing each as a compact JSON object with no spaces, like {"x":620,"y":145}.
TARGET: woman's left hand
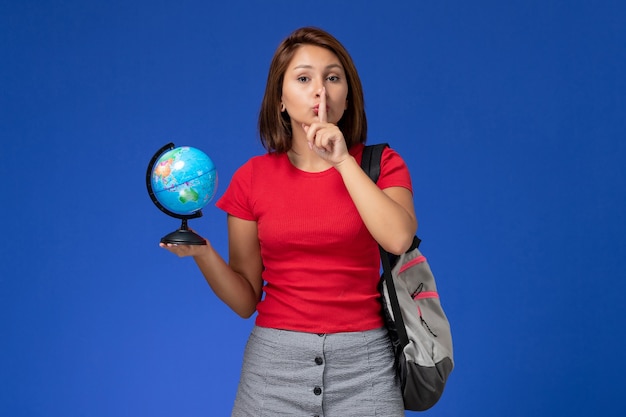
{"x":325,"y":138}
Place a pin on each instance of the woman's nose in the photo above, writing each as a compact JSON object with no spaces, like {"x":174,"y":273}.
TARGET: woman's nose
{"x":319,"y":87}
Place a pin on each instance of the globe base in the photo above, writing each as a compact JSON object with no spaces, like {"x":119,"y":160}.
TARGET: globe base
{"x":183,"y":237}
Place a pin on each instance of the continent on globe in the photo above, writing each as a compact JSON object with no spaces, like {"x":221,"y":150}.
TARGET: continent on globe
{"x":163,"y":169}
{"x":188,"y":195}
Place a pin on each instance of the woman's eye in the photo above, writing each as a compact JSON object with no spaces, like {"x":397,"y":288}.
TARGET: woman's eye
{"x":303,"y":79}
{"x":333,"y":78}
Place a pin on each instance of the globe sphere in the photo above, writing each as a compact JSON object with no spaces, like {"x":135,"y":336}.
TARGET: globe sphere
{"x":184,"y":180}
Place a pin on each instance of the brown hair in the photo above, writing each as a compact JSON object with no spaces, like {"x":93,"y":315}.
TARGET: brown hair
{"x":274,"y":126}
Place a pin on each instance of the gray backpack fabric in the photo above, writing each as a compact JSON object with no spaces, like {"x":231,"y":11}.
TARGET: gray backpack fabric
{"x":418,"y":327}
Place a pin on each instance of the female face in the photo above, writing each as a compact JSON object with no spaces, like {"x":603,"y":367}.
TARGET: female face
{"x":311,"y":70}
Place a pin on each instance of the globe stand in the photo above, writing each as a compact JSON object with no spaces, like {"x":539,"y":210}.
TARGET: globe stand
{"x":183,"y":236}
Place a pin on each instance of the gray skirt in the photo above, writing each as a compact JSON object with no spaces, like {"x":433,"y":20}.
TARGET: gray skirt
{"x":287,"y":373}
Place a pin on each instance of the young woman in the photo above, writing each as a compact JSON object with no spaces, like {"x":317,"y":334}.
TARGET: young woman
{"x":304,"y":222}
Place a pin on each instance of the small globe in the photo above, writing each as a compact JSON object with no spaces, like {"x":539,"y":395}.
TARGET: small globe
{"x":184,"y":180}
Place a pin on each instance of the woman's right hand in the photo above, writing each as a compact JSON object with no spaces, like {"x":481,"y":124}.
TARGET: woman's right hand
{"x":186,"y":250}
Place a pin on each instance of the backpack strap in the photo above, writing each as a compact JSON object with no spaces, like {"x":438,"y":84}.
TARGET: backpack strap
{"x":398,"y":319}
{"x":370,"y":163}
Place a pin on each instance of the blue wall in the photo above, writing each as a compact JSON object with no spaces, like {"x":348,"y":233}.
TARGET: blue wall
{"x":510,"y":116}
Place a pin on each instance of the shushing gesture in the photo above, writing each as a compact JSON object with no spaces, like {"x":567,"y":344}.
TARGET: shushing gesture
{"x":324,"y":137}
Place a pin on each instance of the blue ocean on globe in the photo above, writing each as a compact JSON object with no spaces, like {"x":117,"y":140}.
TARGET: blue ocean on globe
{"x":184,"y":180}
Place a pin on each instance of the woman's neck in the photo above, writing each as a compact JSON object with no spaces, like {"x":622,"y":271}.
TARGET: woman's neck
{"x":305,"y":159}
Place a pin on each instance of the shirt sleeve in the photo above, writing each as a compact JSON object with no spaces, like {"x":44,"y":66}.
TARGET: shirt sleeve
{"x":236,"y":199}
{"x":393,"y":171}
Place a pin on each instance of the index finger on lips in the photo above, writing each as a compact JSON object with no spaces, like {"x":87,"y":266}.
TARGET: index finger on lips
{"x":321,"y":111}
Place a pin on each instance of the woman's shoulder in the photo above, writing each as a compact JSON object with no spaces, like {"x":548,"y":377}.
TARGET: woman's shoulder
{"x":265,"y":164}
{"x":261,"y":161}
{"x":388,"y":152}
{"x":270,"y":158}
{"x":394,"y":171}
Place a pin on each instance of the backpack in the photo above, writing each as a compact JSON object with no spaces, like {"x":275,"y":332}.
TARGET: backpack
{"x":418,"y":327}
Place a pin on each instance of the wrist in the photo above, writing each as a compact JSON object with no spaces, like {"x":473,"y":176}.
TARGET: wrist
{"x":203,"y":252}
{"x":345,"y":164}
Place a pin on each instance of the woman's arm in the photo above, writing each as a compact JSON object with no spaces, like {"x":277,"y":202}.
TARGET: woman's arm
{"x":239,"y":283}
{"x":388,"y":214}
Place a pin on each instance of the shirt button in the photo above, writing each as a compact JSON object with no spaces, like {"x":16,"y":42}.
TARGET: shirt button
{"x":317,"y":390}
{"x":319,"y":360}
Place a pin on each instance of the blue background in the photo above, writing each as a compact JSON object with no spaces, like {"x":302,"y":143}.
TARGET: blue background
{"x":510,"y":115}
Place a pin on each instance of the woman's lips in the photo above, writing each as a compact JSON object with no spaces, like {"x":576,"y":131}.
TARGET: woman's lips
{"x":316,"y":109}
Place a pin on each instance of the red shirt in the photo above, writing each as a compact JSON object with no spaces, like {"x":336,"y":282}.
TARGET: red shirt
{"x":321,"y":265}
